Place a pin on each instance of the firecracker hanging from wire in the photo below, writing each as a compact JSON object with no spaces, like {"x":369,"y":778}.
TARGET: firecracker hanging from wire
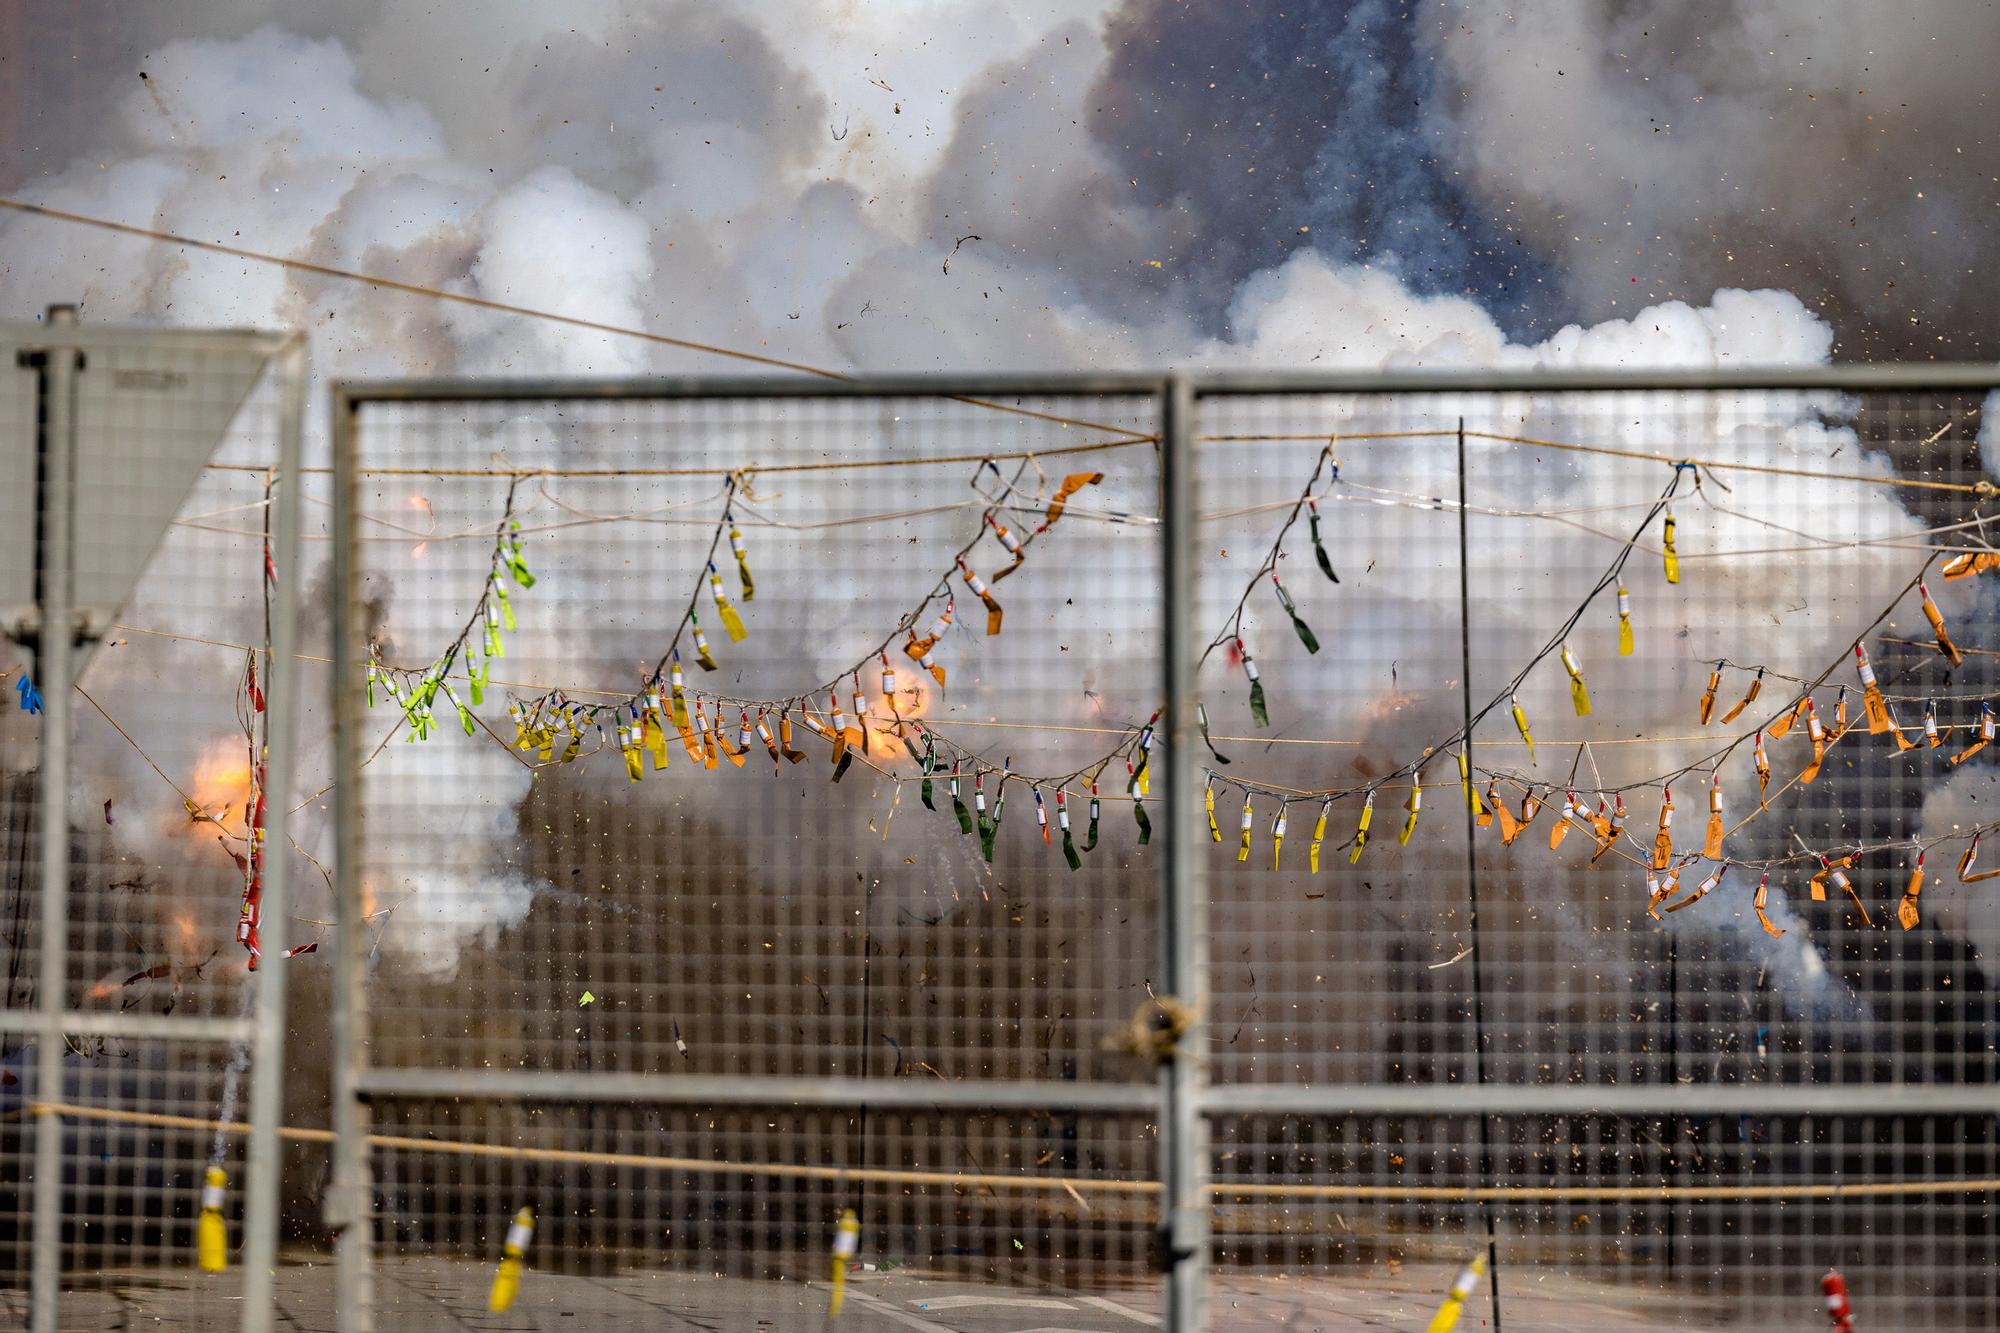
{"x":1278,"y":833}
{"x":1763,"y":762}
{"x":1090,"y":833}
{"x":771,"y":745}
{"x":1062,"y":822}
{"x":1609,"y":831}
{"x":1319,"y":547}
{"x":1000,"y":802}
{"x":732,"y":623}
{"x":1361,"y":828}
{"x":1135,"y":788}
{"x":1144,"y":776}
{"x":1936,"y":617}
{"x":919,"y":649}
{"x":495,"y":645}
{"x":1257,"y":709}
{"x":1760,"y":901}
{"x":1010,"y":542}
{"x":1834,"y":1288}
{"x":1780,"y":728}
{"x":957,"y":801}
{"x":1670,"y":557}
{"x":1625,"y":643}
{"x":927,"y":792}
{"x":1579,"y":693}
{"x":985,"y":822}
{"x":785,"y":747}
{"x":1561,"y":829}
{"x":1702,"y":890}
{"x":1933,"y":733}
{"x":1041,"y":815}
{"x":1712,"y":846}
{"x":1465,"y":785}
{"x":1319,"y":835}
{"x":1413,"y":806}
{"x":1484,"y":819}
{"x":702,"y":656}
{"x":1873,"y":705}
{"x":507,"y":621}
{"x":740,"y":751}
{"x":858,"y":731}
{"x":749,"y":584}
{"x":1972,"y":562}
{"x":843,"y":754}
{"x":1982,"y":735}
{"x":517,"y":564}
{"x":1663,"y":840}
{"x":628,"y":747}
{"x":1816,"y":733}
{"x":1071,"y":484}
{"x":464,"y":713}
{"x":1243,"y":846}
{"x":1749,"y":697}
{"x":984,"y":594}
{"x":1201,"y":720}
{"x":677,"y":685}
{"x":1966,"y":874}
{"x":1208,"y":805}
{"x":1531,"y":805}
{"x":1509,"y":828}
{"x":1708,"y":694}
{"x":1306,"y":636}
{"x":1521,"y":725}
{"x":1906,"y":911}
{"x":1659,"y":889}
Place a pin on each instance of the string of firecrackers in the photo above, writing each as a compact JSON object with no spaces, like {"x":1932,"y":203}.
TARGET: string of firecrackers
{"x":1608,"y":827}
{"x":1231,"y":637}
{"x":1665,"y":868}
{"x":416,"y":690}
{"x":554,"y":727}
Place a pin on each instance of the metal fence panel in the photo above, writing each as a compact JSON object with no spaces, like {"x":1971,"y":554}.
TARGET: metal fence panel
{"x":658,"y":1013}
{"x":126,"y":1015}
{"x":1466,"y":974}
{"x":540,"y":928}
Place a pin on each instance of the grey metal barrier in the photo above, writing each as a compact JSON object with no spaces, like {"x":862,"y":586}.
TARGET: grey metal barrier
{"x":142,"y":513}
{"x":683,"y":1011}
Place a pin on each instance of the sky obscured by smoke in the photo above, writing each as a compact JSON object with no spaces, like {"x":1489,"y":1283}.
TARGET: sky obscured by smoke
{"x":764,"y":174}
{"x":971,"y":185}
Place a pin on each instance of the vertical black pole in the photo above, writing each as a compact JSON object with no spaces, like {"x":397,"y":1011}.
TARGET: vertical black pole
{"x":1472,"y":877}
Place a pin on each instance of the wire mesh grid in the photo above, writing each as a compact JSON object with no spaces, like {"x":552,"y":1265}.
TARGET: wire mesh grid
{"x":1364,"y":974}
{"x":159,"y":785}
{"x":535,"y":907}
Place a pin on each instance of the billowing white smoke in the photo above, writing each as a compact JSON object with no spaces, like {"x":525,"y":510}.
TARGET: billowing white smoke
{"x":589,"y":182}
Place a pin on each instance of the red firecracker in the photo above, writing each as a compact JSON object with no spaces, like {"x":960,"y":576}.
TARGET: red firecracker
{"x":1837,"y":1309}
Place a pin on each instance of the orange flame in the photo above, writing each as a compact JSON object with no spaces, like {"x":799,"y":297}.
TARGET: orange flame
{"x":912,"y":702}
{"x":220,"y":786}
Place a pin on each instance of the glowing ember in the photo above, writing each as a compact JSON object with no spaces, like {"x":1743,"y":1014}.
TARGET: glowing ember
{"x":221,"y":784}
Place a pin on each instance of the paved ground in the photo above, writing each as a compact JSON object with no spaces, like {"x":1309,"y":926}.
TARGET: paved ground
{"x":436,"y":1295}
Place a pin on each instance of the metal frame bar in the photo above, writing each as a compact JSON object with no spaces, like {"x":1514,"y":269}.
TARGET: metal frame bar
{"x":267,"y":1063}
{"x":1635,"y":1099}
{"x":714,"y":1090}
{"x":1210,"y":384}
{"x":139,"y":1027}
{"x":349,"y":1197}
{"x":1184,"y":1206}
{"x":52,"y":660}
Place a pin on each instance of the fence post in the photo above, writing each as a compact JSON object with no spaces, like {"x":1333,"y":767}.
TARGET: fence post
{"x":350,"y":1199}
{"x":52,"y":663}
{"x":1183,"y":918}
{"x":267,"y":1066}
